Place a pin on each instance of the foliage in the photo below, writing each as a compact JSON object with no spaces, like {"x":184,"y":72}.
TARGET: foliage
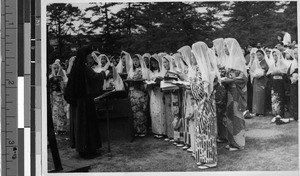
{"x":139,"y":27}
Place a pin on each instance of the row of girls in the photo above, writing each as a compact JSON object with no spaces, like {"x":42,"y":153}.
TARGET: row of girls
{"x":207,"y":109}
{"x":273,"y":82}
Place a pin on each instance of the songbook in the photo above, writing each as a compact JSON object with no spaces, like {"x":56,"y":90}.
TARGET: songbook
{"x":170,"y":78}
{"x":186,"y":83}
{"x":168,"y":86}
{"x":150,"y":82}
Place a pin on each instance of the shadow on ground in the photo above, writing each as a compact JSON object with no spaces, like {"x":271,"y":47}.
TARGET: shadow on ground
{"x":269,"y":147}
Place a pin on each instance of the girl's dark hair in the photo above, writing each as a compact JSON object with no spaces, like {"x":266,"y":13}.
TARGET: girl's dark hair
{"x":135,"y":56}
{"x":260,"y":51}
{"x":151,"y":67}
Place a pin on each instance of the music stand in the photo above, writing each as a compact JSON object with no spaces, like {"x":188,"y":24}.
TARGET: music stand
{"x":107,"y":96}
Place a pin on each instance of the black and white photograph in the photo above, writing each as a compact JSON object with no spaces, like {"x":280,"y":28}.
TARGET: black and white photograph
{"x":171,"y":86}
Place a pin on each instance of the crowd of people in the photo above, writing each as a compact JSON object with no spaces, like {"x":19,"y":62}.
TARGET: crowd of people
{"x":216,"y":89}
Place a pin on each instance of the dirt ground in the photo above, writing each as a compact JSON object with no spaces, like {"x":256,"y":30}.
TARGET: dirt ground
{"x":269,"y":147}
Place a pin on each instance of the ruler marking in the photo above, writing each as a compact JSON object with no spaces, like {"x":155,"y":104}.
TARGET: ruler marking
{"x":10,"y":31}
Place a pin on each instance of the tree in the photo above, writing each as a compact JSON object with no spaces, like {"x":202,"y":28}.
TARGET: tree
{"x":60,"y":18}
{"x":259,"y":21}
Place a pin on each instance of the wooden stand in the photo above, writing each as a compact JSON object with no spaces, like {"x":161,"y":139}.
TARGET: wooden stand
{"x":109,"y":104}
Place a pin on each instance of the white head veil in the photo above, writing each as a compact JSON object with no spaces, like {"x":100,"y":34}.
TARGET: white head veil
{"x":180,"y":63}
{"x":60,"y":72}
{"x":200,"y":50}
{"x":252,"y":58}
{"x":146,"y":55}
{"x":96,"y":68}
{"x":128,"y":63}
{"x":292,"y":64}
{"x":236,"y":58}
{"x":279,"y":65}
{"x":143,"y":67}
{"x":219,"y":47}
{"x":105,"y":67}
{"x":169,"y":59}
{"x":186,"y":54}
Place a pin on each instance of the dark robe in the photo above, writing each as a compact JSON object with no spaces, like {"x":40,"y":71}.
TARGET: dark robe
{"x":259,"y":91}
{"x":83,"y":86}
{"x":87,"y":135}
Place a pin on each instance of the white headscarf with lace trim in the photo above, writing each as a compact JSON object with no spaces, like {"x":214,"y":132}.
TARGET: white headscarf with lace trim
{"x":142,"y":65}
{"x":180,"y":63}
{"x":219,"y":47}
{"x":252,"y":56}
{"x":236,"y":59}
{"x":279,"y":66}
{"x":96,"y":68}
{"x":60,"y":72}
{"x":201,"y":53}
{"x":186,"y":54}
{"x":169,"y":59}
{"x":128,"y":63}
{"x":159,"y":72}
{"x":146,"y":55}
{"x":105,"y":67}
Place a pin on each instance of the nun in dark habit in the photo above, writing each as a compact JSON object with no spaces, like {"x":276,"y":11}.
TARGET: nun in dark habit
{"x":83,"y":86}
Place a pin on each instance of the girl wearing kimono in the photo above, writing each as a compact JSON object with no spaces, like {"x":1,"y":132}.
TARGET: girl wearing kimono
{"x":202,"y":85}
{"x":169,"y":118}
{"x":293,"y":76}
{"x":157,"y":112}
{"x":146,"y":58}
{"x":138,"y":95}
{"x":221,"y":92}
{"x":258,"y":71}
{"x":59,"y":107}
{"x":268,"y":106}
{"x":236,"y":81}
{"x":277,"y":72}
{"x":190,"y":101}
{"x":249,"y":84}
{"x":177,"y":104}
{"x":288,"y":59}
{"x":188,"y":123}
{"x":113,"y":79}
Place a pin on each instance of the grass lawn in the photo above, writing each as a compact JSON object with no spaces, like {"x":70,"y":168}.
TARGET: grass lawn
{"x":269,"y":147}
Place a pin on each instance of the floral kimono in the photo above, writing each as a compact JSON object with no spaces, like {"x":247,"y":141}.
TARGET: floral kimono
{"x":277,"y":71}
{"x":138,"y":98}
{"x":59,"y":106}
{"x":205,"y":123}
{"x":157,"y":111}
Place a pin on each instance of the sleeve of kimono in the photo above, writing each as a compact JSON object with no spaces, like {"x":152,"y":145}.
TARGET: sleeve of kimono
{"x":241,"y":78}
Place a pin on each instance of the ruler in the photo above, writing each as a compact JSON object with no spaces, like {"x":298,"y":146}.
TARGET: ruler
{"x":9,"y":85}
